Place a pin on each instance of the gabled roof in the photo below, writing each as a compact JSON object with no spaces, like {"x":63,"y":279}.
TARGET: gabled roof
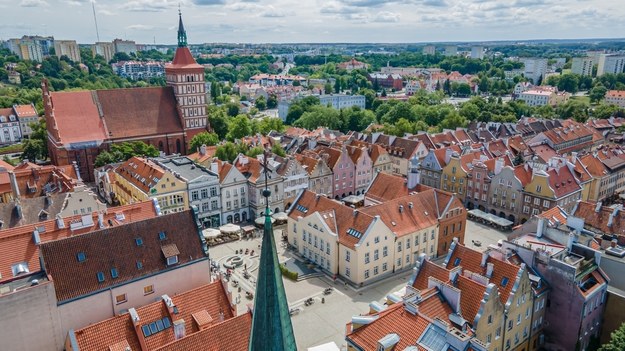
{"x":137,"y":112}
{"x":562,"y":182}
{"x":405,"y":146}
{"x":77,"y":118}
{"x":116,"y":248}
{"x":25,"y":111}
{"x":183,"y":59}
{"x":385,"y":186}
{"x":554,"y":215}
{"x":471,"y":260}
{"x":394,"y":319}
{"x":440,"y":154}
{"x":471,"y":296}
{"x":428,"y":269}
{"x":18,"y":245}
{"x":142,"y":173}
{"x":407,"y":214}
{"x":607,"y":220}
{"x":211,"y":299}
{"x":351,"y":220}
{"x":523,"y":173}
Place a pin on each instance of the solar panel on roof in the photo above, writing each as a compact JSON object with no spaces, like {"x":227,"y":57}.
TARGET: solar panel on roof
{"x":302,"y":208}
{"x":153,"y":328}
{"x":159,"y":325}
{"x":146,"y":330}
{"x":353,"y":232}
{"x":166,"y":322}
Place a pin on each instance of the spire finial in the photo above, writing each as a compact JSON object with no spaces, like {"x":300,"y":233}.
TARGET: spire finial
{"x":182,"y":34}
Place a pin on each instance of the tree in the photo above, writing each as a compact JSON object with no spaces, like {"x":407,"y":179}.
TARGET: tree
{"x":267,"y":124}
{"x":605,"y":111}
{"x":469,"y":111}
{"x":617,"y":340}
{"x":320,"y":116}
{"x":218,"y":122}
{"x":278,"y":150}
{"x":518,"y":159}
{"x":36,"y":148}
{"x":239,"y":127}
{"x":106,"y":158}
{"x":134,"y":148}
{"x":569,"y":82}
{"x":597,"y":93}
{"x":575,"y":109}
{"x":232,"y":109}
{"x":227,"y":152}
{"x":261,"y":103}
{"x":272,"y":101}
{"x":204,"y":138}
{"x":453,"y":121}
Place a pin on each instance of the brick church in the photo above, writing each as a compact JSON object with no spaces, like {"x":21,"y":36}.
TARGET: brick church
{"x":81,"y":124}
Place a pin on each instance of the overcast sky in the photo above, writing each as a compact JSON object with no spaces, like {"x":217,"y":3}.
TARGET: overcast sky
{"x":275,"y":21}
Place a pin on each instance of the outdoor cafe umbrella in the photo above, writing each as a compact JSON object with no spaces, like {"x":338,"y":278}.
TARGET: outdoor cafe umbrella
{"x":230,"y":228}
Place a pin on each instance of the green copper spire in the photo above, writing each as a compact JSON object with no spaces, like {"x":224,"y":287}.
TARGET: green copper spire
{"x":182,"y":34}
{"x":271,"y":322}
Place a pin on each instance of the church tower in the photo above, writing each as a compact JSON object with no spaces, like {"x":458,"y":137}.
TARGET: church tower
{"x":186,"y":77}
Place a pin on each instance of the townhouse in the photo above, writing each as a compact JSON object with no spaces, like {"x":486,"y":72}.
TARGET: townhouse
{"x":433,"y":163}
{"x":140,"y":179}
{"x":342,"y":166}
{"x":363,"y":168}
{"x":565,"y":140}
{"x":505,"y":197}
{"x":234,"y":193}
{"x":455,"y":174}
{"x":319,"y":174}
{"x":254,"y":171}
{"x":479,"y":181}
{"x":295,"y":178}
{"x":202,"y":185}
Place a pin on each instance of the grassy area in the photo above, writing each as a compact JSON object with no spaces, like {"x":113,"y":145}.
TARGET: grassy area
{"x":11,"y":149}
{"x":584,"y":99}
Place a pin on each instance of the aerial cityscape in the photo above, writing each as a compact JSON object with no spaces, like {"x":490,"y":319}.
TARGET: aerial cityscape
{"x":349,"y":175}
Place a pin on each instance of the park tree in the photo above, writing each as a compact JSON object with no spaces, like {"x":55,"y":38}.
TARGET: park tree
{"x":261,"y":103}
{"x":232,"y":108}
{"x":36,"y":148}
{"x":272,"y":101}
{"x":239,"y":127}
{"x":606,"y":111}
{"x":597,"y":93}
{"x":227,"y":151}
{"x":218,"y":122}
{"x":569,"y":82}
{"x":204,"y":138}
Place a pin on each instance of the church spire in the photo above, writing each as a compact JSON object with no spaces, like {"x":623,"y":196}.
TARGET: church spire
{"x":271,"y":321}
{"x":182,"y":34}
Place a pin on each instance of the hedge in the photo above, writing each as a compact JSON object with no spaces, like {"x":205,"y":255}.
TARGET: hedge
{"x":287,"y":273}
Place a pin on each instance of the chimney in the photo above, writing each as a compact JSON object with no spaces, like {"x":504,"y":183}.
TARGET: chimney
{"x":14,"y":187}
{"x":484,"y":258}
{"x":214,"y":167}
{"x":498,"y":165}
{"x":571,"y":240}
{"x":203,"y":150}
{"x":448,"y":153}
{"x":134,"y":316}
{"x":613,"y":243}
{"x":401,"y":208}
{"x":410,"y":205}
{"x":598,"y":207}
{"x":574,"y":156}
{"x":540,"y":227}
{"x":101,"y":220}
{"x":489,"y":270}
{"x":179,"y":331}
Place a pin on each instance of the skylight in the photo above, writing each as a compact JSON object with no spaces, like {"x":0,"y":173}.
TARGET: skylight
{"x":139,"y":265}
{"x":457,"y":261}
{"x":81,"y":256}
{"x":100,"y":277}
{"x":301,"y":208}
{"x":162,"y":236}
{"x":504,"y":281}
{"x":353,"y":232}
{"x":139,"y":241}
{"x":114,"y":273}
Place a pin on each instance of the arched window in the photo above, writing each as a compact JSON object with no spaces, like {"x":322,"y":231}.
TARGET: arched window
{"x":237,"y":218}
{"x":229,"y":219}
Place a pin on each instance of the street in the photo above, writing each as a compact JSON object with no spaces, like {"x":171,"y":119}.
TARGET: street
{"x":323,"y":322}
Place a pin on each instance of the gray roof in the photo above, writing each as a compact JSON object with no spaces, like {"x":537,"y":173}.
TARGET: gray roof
{"x":30,"y":209}
{"x":186,"y":168}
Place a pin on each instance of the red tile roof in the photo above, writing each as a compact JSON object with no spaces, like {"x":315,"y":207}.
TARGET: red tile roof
{"x":141,"y":172}
{"x":137,"y":112}
{"x":183,"y":59}
{"x":471,"y":296}
{"x":210,"y":299}
{"x":386,"y":186}
{"x":395,"y":319}
{"x":25,"y":111}
{"x":17,"y":244}
{"x":599,"y":220}
{"x":427,"y":270}
{"x":77,"y":117}
{"x":554,"y":214}
{"x":116,"y":248}
{"x":593,"y":165}
{"x":562,"y":182}
{"x":423,"y":213}
{"x":523,"y":173}
{"x":350,"y":218}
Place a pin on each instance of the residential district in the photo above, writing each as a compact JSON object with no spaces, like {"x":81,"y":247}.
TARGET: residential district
{"x":187,"y":251}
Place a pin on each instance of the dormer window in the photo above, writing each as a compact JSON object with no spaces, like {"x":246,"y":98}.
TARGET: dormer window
{"x":20,"y":268}
{"x":172,"y":260}
{"x":171,"y":252}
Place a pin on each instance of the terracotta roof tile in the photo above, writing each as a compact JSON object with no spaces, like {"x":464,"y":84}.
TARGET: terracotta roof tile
{"x":601,"y":220}
{"x":25,"y":110}
{"x":77,"y":117}
{"x":141,"y":172}
{"x":207,"y":301}
{"x":116,"y":248}
{"x":562,"y":182}
{"x":523,"y":173}
{"x":137,"y":112}
{"x":386,"y":186}
{"x":593,"y":165}
{"x":395,"y":319}
{"x":427,"y":270}
{"x":309,"y":203}
{"x":470,"y":297}
{"x":183,"y":59}
{"x":17,"y":244}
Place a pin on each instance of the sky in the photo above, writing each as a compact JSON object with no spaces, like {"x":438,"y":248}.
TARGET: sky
{"x":314,"y":21}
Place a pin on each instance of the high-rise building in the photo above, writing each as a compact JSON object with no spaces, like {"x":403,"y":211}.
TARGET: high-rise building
{"x":127,"y":46}
{"x":33,"y":48}
{"x":477,"y":52}
{"x":534,"y":68}
{"x":104,"y":49}
{"x":451,"y":50}
{"x":67,"y":48}
{"x":611,"y":63}
{"x":429,"y":50}
{"x":30,"y":50}
{"x":582,"y":65}
{"x":186,"y":77}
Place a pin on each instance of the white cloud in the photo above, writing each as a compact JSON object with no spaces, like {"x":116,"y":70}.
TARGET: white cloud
{"x":386,"y":16}
{"x":34,"y":3}
{"x":140,"y":27}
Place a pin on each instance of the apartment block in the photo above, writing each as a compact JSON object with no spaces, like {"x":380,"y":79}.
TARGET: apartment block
{"x":67,"y":48}
{"x":610,"y":63}
{"x":583,"y":65}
